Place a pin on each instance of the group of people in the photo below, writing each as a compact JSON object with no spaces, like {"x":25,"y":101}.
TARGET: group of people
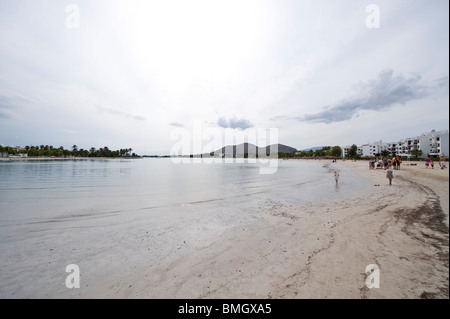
{"x":394,"y":163}
{"x":383,"y":163}
{"x":388,"y":164}
{"x":429,"y":162}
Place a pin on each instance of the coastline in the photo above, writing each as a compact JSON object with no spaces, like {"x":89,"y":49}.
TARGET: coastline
{"x":320,"y":251}
{"x":316,"y":249}
{"x":6,"y":159}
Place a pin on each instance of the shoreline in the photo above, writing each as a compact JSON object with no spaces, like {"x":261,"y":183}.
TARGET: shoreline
{"x":322,"y":251}
{"x":276,"y":249}
{"x":6,"y":159}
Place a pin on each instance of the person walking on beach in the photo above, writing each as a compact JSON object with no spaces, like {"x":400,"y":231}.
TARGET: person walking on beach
{"x":427,"y":161}
{"x":389,"y":172}
{"x":442,"y":161}
{"x":336,"y":177}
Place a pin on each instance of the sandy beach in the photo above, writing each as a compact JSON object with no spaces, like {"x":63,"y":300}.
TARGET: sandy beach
{"x":198,"y":151}
{"x":274,"y":249}
{"x":318,"y":251}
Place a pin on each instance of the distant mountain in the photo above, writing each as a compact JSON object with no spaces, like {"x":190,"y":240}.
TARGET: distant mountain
{"x":282,"y":148}
{"x":248,"y":148}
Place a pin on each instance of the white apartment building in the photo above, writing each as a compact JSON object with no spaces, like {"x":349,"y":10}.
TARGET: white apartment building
{"x":433,"y":143}
{"x":443,"y":147}
{"x":368,"y":150}
{"x":374,"y":149}
{"x":404,"y":146}
{"x":345,"y":150}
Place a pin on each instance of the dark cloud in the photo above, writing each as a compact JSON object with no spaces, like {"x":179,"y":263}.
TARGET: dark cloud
{"x":223,"y":122}
{"x":234,"y":123}
{"x":120,"y":113}
{"x":378,"y":94}
{"x":176,"y":124}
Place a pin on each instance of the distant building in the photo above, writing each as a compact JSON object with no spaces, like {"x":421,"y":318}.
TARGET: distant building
{"x":403,"y":147}
{"x":407,"y":145}
{"x":345,"y":151}
{"x":17,"y":150}
{"x":347,"y":148}
{"x":374,"y":149}
{"x":443,"y":147}
{"x":432,"y":143}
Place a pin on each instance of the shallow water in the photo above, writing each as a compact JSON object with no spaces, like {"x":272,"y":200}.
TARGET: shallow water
{"x":111,"y":216}
{"x":49,"y":189}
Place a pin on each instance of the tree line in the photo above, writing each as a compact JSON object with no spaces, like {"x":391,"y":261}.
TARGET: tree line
{"x":353,"y":153}
{"x":336,"y":151}
{"x":326,"y":151}
{"x":50,"y":151}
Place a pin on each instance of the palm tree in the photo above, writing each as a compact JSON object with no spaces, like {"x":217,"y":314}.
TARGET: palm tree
{"x":74,"y":150}
{"x":416,"y":152}
{"x":353,"y":151}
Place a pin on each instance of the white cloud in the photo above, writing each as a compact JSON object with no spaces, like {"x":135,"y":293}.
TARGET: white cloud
{"x":137,"y":69}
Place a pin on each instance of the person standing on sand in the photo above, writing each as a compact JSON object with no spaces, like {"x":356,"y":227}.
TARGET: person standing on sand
{"x":336,"y":177}
{"x":427,"y":161}
{"x":389,"y":172}
{"x":442,"y":161}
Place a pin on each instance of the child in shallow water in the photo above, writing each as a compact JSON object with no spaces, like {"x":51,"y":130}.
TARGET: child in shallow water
{"x":336,"y":177}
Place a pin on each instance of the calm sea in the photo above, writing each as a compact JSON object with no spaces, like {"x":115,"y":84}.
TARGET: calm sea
{"x":49,"y":189}
{"x":101,"y":213}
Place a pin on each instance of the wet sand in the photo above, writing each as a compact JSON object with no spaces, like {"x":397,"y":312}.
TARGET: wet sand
{"x":322,"y":250}
{"x":281,"y":250}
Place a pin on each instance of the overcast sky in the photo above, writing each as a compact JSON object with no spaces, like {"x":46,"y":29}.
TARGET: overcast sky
{"x":132,"y":72}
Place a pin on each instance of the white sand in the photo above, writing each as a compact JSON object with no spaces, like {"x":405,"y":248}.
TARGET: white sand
{"x":320,"y":251}
{"x":280,"y":251}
